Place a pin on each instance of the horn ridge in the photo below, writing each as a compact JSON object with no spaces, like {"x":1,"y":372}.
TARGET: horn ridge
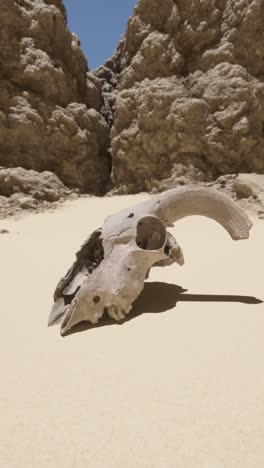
{"x":175,"y":204}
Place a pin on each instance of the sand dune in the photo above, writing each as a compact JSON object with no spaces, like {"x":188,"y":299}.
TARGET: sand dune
{"x":180,"y":384}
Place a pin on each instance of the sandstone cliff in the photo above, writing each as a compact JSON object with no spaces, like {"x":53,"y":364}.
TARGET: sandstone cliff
{"x":180,"y":101}
{"x":191,"y":92}
{"x":49,"y":103}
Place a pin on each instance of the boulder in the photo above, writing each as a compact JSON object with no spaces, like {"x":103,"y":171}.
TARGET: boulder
{"x":181,"y":101}
{"x":22,"y":189}
{"x":191,"y":91}
{"x":49,"y":103}
{"x":41,"y":186}
{"x":249,"y":185}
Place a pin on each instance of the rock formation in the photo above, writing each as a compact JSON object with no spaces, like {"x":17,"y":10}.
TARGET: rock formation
{"x":181,"y":101}
{"x":22,"y":189}
{"x":191,"y":92}
{"x":49,"y":102}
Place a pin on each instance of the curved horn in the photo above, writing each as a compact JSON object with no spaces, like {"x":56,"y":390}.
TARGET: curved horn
{"x":172,"y":205}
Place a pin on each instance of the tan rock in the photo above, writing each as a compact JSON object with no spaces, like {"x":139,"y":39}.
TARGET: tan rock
{"x":42,"y":186}
{"x":191,"y":91}
{"x":183,"y":95}
{"x":247,"y":185}
{"x":22,"y":189}
{"x":49,"y":103}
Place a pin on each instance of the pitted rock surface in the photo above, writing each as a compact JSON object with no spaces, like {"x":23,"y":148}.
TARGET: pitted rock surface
{"x":181,"y":101}
{"x":49,"y":102}
{"x":22,"y":189}
{"x":191,"y":92}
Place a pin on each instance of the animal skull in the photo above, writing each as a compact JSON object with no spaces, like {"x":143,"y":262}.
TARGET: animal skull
{"x":113,"y":263}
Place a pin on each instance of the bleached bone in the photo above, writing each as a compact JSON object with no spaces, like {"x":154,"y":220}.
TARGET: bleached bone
{"x":112,"y":264}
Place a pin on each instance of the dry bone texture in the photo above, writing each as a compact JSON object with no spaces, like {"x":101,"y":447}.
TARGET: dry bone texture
{"x":113,"y":263}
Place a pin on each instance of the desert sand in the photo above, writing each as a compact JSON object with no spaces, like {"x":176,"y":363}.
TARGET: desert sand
{"x":181,"y":384}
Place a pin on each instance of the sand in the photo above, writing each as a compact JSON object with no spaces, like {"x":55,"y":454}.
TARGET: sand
{"x":180,"y":385}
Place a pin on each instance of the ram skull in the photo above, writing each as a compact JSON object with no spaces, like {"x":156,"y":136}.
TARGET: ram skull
{"x":113,"y":263}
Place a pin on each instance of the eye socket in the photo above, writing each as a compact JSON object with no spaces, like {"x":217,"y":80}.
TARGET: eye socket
{"x":131,"y":215}
{"x":151,"y":233}
{"x":96,"y":299}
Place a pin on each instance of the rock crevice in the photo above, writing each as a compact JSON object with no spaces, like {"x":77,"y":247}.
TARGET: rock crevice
{"x":191,"y":92}
{"x":180,"y":101}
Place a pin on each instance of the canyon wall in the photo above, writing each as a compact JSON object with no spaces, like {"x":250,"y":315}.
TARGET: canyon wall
{"x":190,"y":103}
{"x":49,"y":103}
{"x":180,"y":101}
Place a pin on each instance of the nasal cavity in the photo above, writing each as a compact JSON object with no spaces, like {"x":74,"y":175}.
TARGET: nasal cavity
{"x":151,"y":233}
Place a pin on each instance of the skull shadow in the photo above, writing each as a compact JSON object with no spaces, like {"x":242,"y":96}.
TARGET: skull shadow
{"x":158,"y":297}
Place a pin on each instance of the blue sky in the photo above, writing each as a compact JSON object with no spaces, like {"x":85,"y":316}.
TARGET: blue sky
{"x":99,"y":25}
